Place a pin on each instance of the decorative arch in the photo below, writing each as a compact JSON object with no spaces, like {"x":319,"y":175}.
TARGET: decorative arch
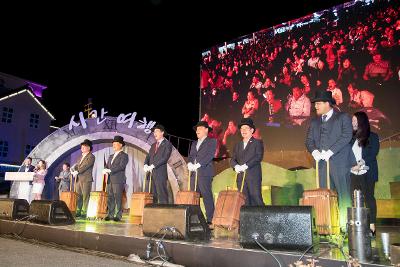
{"x":64,"y":145}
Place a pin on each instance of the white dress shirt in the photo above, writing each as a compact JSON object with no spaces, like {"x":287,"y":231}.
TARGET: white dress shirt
{"x":199,"y":141}
{"x":83,"y":156}
{"x":357,"y":150}
{"x":115,"y":155}
{"x":245,"y":144}
{"x":329,"y":114}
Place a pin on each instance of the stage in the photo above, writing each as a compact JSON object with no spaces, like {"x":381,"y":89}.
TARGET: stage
{"x":124,"y":238}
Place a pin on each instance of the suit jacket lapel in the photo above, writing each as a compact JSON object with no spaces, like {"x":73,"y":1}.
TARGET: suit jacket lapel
{"x":82,"y":160}
{"x":248,"y":143}
{"x":334,"y":115}
{"x":162,"y":143}
{"x":202,"y":144}
{"x":241,"y":151}
{"x":241,"y":146}
{"x":115,"y":159}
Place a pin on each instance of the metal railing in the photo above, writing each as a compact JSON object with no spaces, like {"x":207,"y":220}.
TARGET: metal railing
{"x":181,"y":144}
{"x":393,"y":137}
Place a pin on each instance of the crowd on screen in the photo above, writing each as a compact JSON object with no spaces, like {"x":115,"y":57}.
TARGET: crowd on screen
{"x":272,"y":79}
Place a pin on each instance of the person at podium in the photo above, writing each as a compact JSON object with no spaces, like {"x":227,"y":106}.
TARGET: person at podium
{"x":28,"y":167}
{"x":16,"y":185}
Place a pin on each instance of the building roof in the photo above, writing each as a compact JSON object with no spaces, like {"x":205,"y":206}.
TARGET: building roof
{"x":11,"y":93}
{"x":9,"y":82}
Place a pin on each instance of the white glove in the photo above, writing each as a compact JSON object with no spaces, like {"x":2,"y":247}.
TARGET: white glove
{"x":316,"y":155}
{"x":355,"y":168}
{"x":361,"y":162}
{"x":151,"y":167}
{"x":361,"y":165}
{"x":72,"y":169}
{"x":190,"y":166}
{"x":365,"y":168}
{"x":237,"y":168}
{"x":326,"y":155}
{"x":75,"y":173}
{"x":106,"y":171}
{"x":196,"y":166}
{"x":244,"y":167}
{"x":146,"y":168}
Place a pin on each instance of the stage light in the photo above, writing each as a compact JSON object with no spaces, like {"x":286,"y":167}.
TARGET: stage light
{"x":89,"y":227}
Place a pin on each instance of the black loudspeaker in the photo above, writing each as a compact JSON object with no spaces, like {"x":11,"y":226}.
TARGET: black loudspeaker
{"x":12,"y":209}
{"x":278,"y":227}
{"x":53,"y":212}
{"x":175,"y":222}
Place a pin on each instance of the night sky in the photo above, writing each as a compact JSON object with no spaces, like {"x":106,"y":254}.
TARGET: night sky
{"x":143,"y":58}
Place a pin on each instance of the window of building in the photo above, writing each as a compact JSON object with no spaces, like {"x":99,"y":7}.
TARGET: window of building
{"x":7,"y":115}
{"x":34,"y":121}
{"x":28,"y":149}
{"x":3,"y":148}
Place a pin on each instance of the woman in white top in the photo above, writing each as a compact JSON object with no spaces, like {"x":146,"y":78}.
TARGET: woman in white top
{"x":250,"y":106}
{"x":364,"y":173}
{"x":38,"y":180}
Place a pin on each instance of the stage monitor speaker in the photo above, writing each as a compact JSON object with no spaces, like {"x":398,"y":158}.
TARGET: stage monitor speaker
{"x":12,"y":209}
{"x":278,"y":227}
{"x":175,"y":222}
{"x":53,"y":212}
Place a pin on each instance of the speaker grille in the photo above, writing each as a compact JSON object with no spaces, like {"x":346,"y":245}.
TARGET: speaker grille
{"x":51,"y":212}
{"x":188,"y":221}
{"x":12,"y":209}
{"x":277,"y":227}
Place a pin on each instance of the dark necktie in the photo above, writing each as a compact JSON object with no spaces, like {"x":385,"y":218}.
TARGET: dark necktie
{"x":324,"y":118}
{"x":156,"y":148}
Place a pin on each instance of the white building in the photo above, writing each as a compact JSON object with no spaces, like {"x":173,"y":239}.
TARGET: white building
{"x":24,"y":122}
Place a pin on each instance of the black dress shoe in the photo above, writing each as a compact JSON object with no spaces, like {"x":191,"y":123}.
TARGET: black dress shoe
{"x":116,"y":219}
{"x":107,"y":218}
{"x":78,"y":215}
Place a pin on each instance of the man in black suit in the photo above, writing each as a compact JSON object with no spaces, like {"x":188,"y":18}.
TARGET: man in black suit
{"x":83,"y":170}
{"x":328,"y":139}
{"x":116,"y":181}
{"x":28,"y":167}
{"x":201,"y":155}
{"x":156,"y":163}
{"x":247,"y":157}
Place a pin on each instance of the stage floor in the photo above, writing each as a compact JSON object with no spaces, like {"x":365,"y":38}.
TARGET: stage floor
{"x":124,"y":238}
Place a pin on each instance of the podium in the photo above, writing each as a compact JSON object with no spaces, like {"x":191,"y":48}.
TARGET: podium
{"x":20,"y":189}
